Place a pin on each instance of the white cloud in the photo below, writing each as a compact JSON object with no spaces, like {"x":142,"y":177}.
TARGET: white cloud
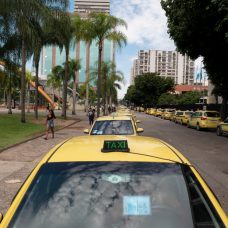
{"x":147,"y":23}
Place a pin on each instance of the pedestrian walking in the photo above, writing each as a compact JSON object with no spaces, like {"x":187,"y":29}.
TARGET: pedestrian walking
{"x":91,"y":115}
{"x":50,"y":123}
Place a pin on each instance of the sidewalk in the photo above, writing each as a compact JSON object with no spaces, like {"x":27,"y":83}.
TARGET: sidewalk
{"x":17,"y":162}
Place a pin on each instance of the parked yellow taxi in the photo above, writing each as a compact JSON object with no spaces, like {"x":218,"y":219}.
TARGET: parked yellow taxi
{"x":184,"y":117}
{"x":152,"y":111}
{"x":114,"y":181}
{"x":167,"y":114}
{"x":222,"y":128}
{"x":204,"y":120}
{"x":114,"y":125}
{"x":159,"y":112}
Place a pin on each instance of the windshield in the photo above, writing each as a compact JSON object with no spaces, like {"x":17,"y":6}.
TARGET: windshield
{"x":106,"y":195}
{"x":112,"y":127}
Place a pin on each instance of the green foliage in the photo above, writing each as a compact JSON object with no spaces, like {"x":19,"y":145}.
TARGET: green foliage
{"x":199,"y":28}
{"x":12,"y":131}
{"x":92,"y":93}
{"x":168,"y":99}
{"x":148,"y":88}
{"x":175,"y":99}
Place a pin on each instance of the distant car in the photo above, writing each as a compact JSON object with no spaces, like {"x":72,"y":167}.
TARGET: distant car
{"x":184,"y":117}
{"x":159,"y":112}
{"x":222,"y":128}
{"x":114,"y":182}
{"x":152,"y":111}
{"x":167,"y":114}
{"x":204,"y":120}
{"x":177,"y":115}
{"x":116,"y":125}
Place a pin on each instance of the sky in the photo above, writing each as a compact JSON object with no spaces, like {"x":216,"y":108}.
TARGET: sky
{"x":147,"y":29}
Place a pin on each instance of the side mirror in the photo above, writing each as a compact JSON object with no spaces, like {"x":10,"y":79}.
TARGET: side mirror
{"x":138,"y":121}
{"x":86,"y":131}
{"x":1,"y":217}
{"x":140,"y":130}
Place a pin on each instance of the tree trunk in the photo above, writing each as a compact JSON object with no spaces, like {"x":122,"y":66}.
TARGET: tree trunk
{"x":224,"y":108}
{"x":22,"y":96}
{"x":99,"y":79}
{"x":28,"y":97}
{"x":64,"y":105}
{"x":9,"y":102}
{"x":76,"y":78}
{"x":87,"y":75}
{"x":36,"y":85}
{"x":74,"y":98}
{"x":9,"y":96}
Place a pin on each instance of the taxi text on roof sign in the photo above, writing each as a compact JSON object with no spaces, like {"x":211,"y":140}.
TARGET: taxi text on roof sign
{"x":115,"y":145}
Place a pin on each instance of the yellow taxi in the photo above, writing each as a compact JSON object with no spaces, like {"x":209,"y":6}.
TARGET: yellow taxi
{"x":184,"y":117}
{"x":152,"y":111}
{"x":114,"y":182}
{"x":167,"y":114}
{"x":222,"y":128}
{"x":114,"y":125}
{"x":204,"y":120}
{"x":126,"y":113}
{"x":159,"y":112}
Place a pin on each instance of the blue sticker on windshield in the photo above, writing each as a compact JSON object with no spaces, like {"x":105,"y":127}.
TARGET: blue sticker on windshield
{"x":136,"y":205}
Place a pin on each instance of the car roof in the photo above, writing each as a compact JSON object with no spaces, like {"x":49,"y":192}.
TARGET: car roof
{"x":114,"y":117}
{"x":142,"y":149}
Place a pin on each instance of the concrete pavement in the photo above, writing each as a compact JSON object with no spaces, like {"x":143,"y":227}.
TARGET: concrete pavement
{"x":17,"y":162}
{"x":204,"y":149}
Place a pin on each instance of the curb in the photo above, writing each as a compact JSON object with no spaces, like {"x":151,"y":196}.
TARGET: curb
{"x":37,"y":136}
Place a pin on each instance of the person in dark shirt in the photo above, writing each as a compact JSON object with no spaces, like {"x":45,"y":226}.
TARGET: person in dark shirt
{"x":50,"y":123}
{"x":91,"y":116}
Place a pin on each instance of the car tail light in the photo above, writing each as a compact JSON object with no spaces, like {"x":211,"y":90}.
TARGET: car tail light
{"x":203,"y":118}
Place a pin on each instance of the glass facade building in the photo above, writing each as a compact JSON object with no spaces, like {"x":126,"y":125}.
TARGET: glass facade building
{"x":51,"y":56}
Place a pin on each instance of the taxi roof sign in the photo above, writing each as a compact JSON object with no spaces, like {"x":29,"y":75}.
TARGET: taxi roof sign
{"x":115,"y":146}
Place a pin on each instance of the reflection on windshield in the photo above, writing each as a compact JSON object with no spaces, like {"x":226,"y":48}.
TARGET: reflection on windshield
{"x":106,"y":195}
{"x":113,"y":127}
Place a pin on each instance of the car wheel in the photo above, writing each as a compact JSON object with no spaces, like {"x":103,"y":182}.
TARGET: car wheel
{"x":219,"y":131}
{"x":198,"y":128}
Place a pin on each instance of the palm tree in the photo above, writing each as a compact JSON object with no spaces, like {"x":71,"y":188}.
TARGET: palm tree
{"x":26,"y":19}
{"x":111,"y":84}
{"x":105,"y":26}
{"x":74,"y":66}
{"x":64,"y":34}
{"x":9,"y":81}
{"x":29,"y":78}
{"x":55,"y":80}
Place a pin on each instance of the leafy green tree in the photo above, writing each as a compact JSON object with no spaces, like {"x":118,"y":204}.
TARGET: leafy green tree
{"x":149,"y":87}
{"x":199,"y":28}
{"x":168,"y":99}
{"x":103,"y":27}
{"x":92,"y":93}
{"x":190,"y":97}
{"x":9,"y":81}
{"x":55,"y":79}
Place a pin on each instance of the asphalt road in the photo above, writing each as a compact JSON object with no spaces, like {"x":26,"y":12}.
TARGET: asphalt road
{"x":204,"y":149}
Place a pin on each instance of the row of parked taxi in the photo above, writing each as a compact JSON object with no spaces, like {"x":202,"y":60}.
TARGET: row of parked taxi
{"x":114,"y":178}
{"x":199,"y":119}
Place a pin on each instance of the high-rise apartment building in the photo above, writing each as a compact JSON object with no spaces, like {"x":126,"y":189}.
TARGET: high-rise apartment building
{"x":86,"y":6}
{"x":170,"y":64}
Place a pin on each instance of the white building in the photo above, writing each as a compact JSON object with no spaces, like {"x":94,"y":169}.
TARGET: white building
{"x":170,"y":64}
{"x":85,"y":6}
